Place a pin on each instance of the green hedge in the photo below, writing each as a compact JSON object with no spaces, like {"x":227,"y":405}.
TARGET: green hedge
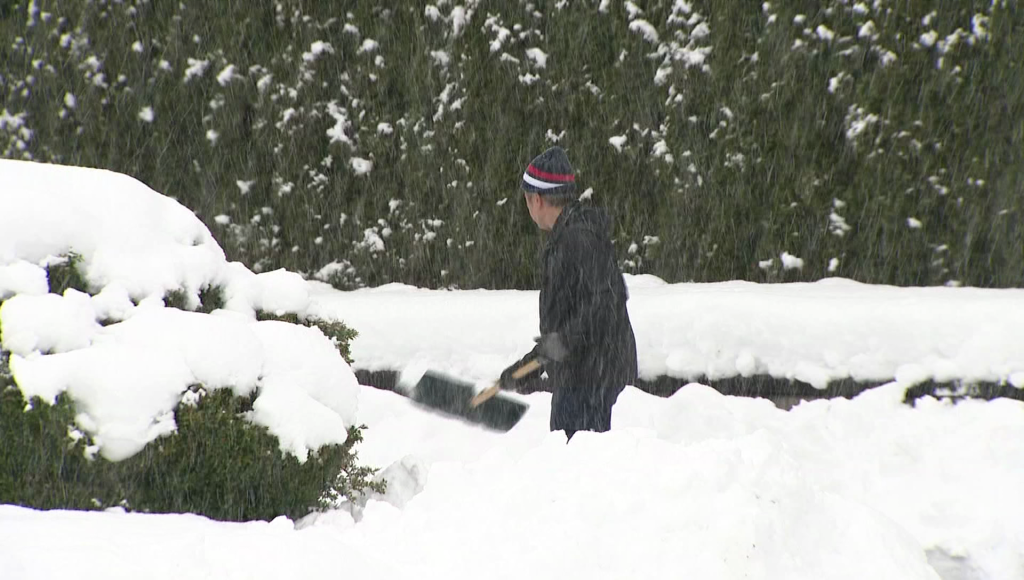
{"x":880,"y":141}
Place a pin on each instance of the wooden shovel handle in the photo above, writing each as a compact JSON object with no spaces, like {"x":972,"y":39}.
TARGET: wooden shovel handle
{"x":526,"y":369}
{"x":484,"y":395}
{"x":492,"y":390}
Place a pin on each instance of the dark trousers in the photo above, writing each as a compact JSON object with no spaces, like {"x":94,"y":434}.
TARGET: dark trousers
{"x":571,"y":412}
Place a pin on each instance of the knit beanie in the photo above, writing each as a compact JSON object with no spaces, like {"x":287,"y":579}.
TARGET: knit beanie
{"x":550,"y":174}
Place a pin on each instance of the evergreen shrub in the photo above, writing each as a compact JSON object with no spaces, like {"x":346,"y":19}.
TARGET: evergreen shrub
{"x":217,"y":464}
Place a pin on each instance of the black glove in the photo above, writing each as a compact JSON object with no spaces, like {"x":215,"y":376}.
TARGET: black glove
{"x":510,"y":384}
{"x":551,"y":347}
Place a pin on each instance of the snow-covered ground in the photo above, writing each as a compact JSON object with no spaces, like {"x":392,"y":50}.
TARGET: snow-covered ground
{"x":695,"y":485}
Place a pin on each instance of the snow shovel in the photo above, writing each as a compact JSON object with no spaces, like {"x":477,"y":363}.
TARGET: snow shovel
{"x":457,"y":398}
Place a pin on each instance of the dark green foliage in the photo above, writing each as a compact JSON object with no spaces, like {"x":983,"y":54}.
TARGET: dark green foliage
{"x":66,"y":274}
{"x":900,"y":158}
{"x":5,"y":371}
{"x":40,"y":466}
{"x":222,"y":466}
{"x":217,"y":464}
{"x":177,"y":299}
{"x":335,"y":330}
{"x":210,"y":298}
{"x":7,"y":8}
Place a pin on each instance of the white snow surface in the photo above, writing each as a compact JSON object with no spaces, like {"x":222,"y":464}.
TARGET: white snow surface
{"x":21,"y":277}
{"x":814,"y":332}
{"x":696,"y":485}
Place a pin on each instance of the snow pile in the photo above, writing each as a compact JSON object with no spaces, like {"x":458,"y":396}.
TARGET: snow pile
{"x":940,"y":471}
{"x":813,"y":332}
{"x":277,"y":292}
{"x":127,"y":377}
{"x":931,"y":479}
{"x":22,"y":277}
{"x":471,"y":333}
{"x":308,"y":394}
{"x":126,"y":233}
{"x":48,"y":322}
{"x":629,"y":505}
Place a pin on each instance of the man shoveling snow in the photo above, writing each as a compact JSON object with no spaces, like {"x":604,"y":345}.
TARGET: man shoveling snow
{"x":586,"y":345}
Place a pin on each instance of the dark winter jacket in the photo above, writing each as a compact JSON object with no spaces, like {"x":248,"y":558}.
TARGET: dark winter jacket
{"x":583,"y":299}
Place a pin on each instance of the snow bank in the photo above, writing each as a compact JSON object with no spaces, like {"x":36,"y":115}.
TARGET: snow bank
{"x":629,"y":505}
{"x":832,"y":489}
{"x":696,"y":485}
{"x":101,"y":546}
{"x":812,"y":332}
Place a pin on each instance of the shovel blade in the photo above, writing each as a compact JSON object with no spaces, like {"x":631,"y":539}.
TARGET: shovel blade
{"x":451,"y":396}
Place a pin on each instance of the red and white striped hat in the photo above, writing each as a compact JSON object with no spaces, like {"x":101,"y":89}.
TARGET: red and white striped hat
{"x":550,"y":174}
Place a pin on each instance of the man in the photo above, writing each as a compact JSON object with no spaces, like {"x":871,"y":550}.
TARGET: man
{"x":586,"y":345}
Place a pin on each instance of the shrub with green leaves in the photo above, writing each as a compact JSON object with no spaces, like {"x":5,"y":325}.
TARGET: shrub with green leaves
{"x":217,"y":464}
{"x":66,"y":273}
{"x":211,"y":298}
{"x":5,"y":372}
{"x":221,"y":465}
{"x":43,"y":461}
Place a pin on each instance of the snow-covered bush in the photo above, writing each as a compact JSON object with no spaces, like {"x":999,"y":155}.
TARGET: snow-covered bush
{"x":217,"y":464}
{"x":335,"y":330}
{"x":138,"y":373}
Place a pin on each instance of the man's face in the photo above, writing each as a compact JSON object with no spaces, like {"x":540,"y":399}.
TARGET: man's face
{"x":535,"y":205}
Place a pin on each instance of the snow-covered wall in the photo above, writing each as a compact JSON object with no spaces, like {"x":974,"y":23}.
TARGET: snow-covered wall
{"x":813,"y":332}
